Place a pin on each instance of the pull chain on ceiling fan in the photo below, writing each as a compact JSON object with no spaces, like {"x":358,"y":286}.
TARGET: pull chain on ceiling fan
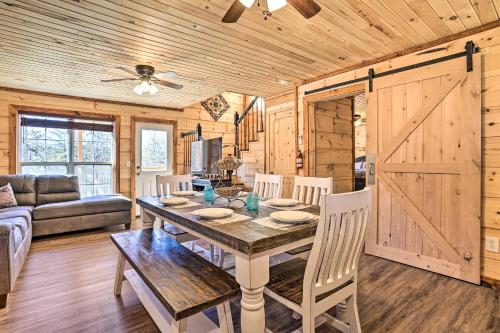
{"x":307,"y":8}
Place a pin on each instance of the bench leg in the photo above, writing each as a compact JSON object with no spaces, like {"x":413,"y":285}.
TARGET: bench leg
{"x":212,"y":253}
{"x":178,"y":326}
{"x":225,"y":319}
{"x":120,"y":268}
{"x":3,"y":301}
{"x":147,"y":219}
{"x":222,"y":257}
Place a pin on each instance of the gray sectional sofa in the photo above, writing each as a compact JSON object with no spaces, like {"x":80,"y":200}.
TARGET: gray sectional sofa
{"x":49,"y":205}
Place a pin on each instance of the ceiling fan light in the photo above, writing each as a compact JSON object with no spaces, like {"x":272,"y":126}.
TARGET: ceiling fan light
{"x":153,"y":89}
{"x":144,"y":85}
{"x":138,"y":89}
{"x":273,"y":5}
{"x":247,"y":3}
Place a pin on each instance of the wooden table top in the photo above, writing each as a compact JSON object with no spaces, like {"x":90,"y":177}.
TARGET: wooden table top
{"x":246,"y":237}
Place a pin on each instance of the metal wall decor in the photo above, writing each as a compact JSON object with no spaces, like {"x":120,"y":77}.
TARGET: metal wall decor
{"x":216,"y":106}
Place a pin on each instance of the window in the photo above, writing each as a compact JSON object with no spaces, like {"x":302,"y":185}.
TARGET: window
{"x":54,"y":145}
{"x":154,"y":150}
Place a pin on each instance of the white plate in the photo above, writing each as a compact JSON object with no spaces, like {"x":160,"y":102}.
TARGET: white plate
{"x":292,"y":216}
{"x":173,"y":201}
{"x":184,"y":193}
{"x":282,"y":202}
{"x":212,"y":213}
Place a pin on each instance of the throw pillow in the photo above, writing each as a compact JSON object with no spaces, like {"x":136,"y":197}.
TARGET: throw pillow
{"x":7,"y":198}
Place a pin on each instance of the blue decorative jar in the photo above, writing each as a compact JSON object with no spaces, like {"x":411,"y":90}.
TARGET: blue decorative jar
{"x":252,"y":201}
{"x":209,"y":194}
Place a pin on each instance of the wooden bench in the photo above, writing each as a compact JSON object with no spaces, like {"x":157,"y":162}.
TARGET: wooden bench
{"x":174,"y":283}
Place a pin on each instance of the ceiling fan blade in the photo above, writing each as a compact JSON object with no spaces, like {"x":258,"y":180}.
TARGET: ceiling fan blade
{"x":170,"y":84}
{"x":118,"y":80}
{"x":126,"y":70}
{"x":167,"y":75}
{"x":308,"y":8}
{"x":234,"y":12}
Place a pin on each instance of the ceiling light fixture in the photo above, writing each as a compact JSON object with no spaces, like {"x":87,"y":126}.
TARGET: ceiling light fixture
{"x":268,"y":6}
{"x":273,"y":5}
{"x":146,"y":85}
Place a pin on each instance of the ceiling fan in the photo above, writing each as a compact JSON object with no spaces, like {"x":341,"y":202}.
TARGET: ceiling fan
{"x":308,"y":8}
{"x":147,"y":81}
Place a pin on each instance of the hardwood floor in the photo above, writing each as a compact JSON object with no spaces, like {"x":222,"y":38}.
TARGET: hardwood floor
{"x":66,"y":285}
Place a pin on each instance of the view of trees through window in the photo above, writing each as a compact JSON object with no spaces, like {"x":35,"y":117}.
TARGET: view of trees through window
{"x":154,"y":150}
{"x":85,"y":153}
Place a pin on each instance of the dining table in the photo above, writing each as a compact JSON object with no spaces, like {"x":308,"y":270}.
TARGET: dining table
{"x":251,"y":236}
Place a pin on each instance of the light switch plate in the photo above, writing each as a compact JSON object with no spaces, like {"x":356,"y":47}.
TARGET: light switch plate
{"x":491,"y":244}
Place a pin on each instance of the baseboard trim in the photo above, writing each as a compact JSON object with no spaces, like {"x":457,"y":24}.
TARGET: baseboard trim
{"x":490,"y":282}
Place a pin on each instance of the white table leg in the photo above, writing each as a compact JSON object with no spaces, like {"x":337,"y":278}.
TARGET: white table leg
{"x":252,"y":275}
{"x":147,"y":219}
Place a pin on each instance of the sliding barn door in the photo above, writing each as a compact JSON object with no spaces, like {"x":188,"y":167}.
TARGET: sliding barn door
{"x":423,"y":140}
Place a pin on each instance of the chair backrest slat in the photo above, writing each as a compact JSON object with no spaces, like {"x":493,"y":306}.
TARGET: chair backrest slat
{"x":172,"y":183}
{"x":338,"y":242}
{"x":268,"y":186}
{"x":308,"y":190}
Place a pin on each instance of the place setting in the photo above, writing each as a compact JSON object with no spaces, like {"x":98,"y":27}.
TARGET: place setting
{"x":219,"y":215}
{"x":282,"y":220}
{"x":284,"y":204}
{"x":178,"y":200}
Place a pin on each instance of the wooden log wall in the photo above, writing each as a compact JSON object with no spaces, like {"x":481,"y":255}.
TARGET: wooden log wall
{"x":334,"y":142}
{"x":489,"y":42}
{"x":186,"y":121}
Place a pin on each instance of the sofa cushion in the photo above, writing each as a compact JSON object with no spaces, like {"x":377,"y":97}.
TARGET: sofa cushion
{"x":86,"y":206}
{"x":18,"y":211}
{"x":7,"y":197}
{"x":23,"y":187}
{"x":56,"y":188}
{"x":20,"y":227}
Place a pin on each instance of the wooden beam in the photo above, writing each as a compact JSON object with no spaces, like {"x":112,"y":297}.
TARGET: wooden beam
{"x":23,"y":91}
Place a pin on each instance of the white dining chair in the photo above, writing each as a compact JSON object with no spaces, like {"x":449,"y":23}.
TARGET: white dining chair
{"x":268,"y":186}
{"x":306,"y":190}
{"x":172,"y":183}
{"x":329,"y":276}
{"x":309,"y":189}
{"x":169,"y":184}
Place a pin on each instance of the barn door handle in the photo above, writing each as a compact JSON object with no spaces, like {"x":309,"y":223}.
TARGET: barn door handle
{"x":371,"y":168}
{"x":370,"y":160}
{"x":467,"y":255}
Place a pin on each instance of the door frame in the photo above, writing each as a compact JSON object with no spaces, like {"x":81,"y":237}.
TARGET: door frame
{"x":133,"y":121}
{"x":308,"y":131}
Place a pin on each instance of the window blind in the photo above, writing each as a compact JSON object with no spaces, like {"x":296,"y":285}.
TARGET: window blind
{"x":78,"y":124}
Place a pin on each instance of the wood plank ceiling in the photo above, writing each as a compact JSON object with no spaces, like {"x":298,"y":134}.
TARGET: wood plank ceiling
{"x":68,"y":46}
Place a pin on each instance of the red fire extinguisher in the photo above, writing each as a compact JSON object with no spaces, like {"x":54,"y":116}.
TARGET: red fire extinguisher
{"x":299,"y":161}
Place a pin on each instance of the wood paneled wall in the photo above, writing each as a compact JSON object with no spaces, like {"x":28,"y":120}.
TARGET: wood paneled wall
{"x":186,"y":121}
{"x":489,"y":42}
{"x":334,"y":142}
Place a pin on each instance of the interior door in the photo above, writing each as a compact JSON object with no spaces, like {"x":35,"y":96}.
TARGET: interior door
{"x":280,"y":143}
{"x":154,"y":155}
{"x":424,"y":163}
